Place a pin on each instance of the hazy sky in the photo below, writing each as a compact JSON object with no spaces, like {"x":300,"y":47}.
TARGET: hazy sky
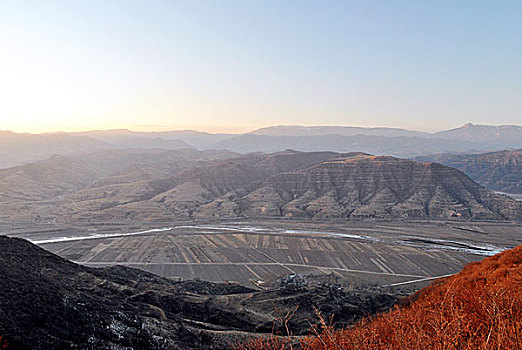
{"x":237,"y":65}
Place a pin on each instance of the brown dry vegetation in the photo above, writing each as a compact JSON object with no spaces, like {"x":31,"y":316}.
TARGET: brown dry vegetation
{"x":479,"y":308}
{"x":3,"y":343}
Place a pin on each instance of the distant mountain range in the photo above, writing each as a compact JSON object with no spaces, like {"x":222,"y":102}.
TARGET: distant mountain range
{"x":382,"y":141}
{"x":401,"y":146}
{"x":122,"y":138}
{"x":298,"y":130}
{"x":17,"y":149}
{"x":166,"y":185}
{"x":502,"y":136}
{"x":498,"y":171}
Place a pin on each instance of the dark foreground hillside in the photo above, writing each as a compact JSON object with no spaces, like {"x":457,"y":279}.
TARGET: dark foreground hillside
{"x":47,"y":302}
{"x":479,"y":308}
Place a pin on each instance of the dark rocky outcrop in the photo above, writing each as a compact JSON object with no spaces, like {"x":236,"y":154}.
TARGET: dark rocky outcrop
{"x":47,"y":303}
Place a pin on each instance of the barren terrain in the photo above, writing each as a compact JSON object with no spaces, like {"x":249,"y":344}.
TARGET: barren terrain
{"x":359,"y":254}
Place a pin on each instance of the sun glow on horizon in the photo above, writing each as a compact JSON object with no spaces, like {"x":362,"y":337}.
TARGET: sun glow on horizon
{"x":73,"y":66}
{"x":43,"y":127}
{"x":46,"y":128}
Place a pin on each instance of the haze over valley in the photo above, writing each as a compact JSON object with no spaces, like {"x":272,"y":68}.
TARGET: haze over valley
{"x":251,"y":225}
{"x":259,"y":211}
{"x":296,"y":175}
{"x":19,"y":148}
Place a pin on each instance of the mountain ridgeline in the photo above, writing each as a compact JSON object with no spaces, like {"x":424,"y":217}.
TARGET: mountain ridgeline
{"x":165,"y":185}
{"x":18,"y":149}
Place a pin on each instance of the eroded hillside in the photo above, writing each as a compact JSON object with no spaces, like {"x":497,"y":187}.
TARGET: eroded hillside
{"x":161,"y":185}
{"x":498,"y":171}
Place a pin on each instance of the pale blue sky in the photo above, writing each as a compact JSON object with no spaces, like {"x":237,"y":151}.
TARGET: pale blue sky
{"x":239,"y":65}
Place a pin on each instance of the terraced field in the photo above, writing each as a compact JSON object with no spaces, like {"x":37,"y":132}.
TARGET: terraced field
{"x":379,"y":253}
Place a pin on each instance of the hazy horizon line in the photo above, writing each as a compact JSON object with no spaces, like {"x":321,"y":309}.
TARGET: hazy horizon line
{"x":164,"y":129}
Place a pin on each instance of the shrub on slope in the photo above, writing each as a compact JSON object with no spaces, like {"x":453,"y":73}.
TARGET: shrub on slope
{"x":479,"y":308}
{"x":3,"y":343}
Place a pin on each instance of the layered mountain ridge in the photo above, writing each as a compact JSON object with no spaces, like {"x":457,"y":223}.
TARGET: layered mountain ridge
{"x":158,"y":185}
{"x":499,"y":171}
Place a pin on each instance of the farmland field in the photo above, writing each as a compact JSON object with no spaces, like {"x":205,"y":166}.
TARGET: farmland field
{"x":356,"y":253}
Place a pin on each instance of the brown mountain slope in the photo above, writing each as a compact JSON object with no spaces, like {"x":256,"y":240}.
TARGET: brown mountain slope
{"x":497,"y":171}
{"x":30,"y":190}
{"x":295,"y":184}
{"x":179,"y":195}
{"x":188,"y":184}
{"x":386,"y":186}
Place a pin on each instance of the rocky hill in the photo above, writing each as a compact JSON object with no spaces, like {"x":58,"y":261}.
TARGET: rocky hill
{"x":362,"y":186}
{"x":180,"y":195}
{"x":47,"y":302}
{"x":320,"y":185}
{"x":37,"y":187}
{"x":165,"y":185}
{"x":497,"y":171}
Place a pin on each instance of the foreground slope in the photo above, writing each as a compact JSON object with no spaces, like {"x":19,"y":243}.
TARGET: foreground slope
{"x":497,"y":171}
{"x":47,"y":302}
{"x":479,"y":308}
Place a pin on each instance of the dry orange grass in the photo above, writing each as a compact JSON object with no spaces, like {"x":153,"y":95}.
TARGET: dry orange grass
{"x":479,"y":308}
{"x":3,"y":343}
